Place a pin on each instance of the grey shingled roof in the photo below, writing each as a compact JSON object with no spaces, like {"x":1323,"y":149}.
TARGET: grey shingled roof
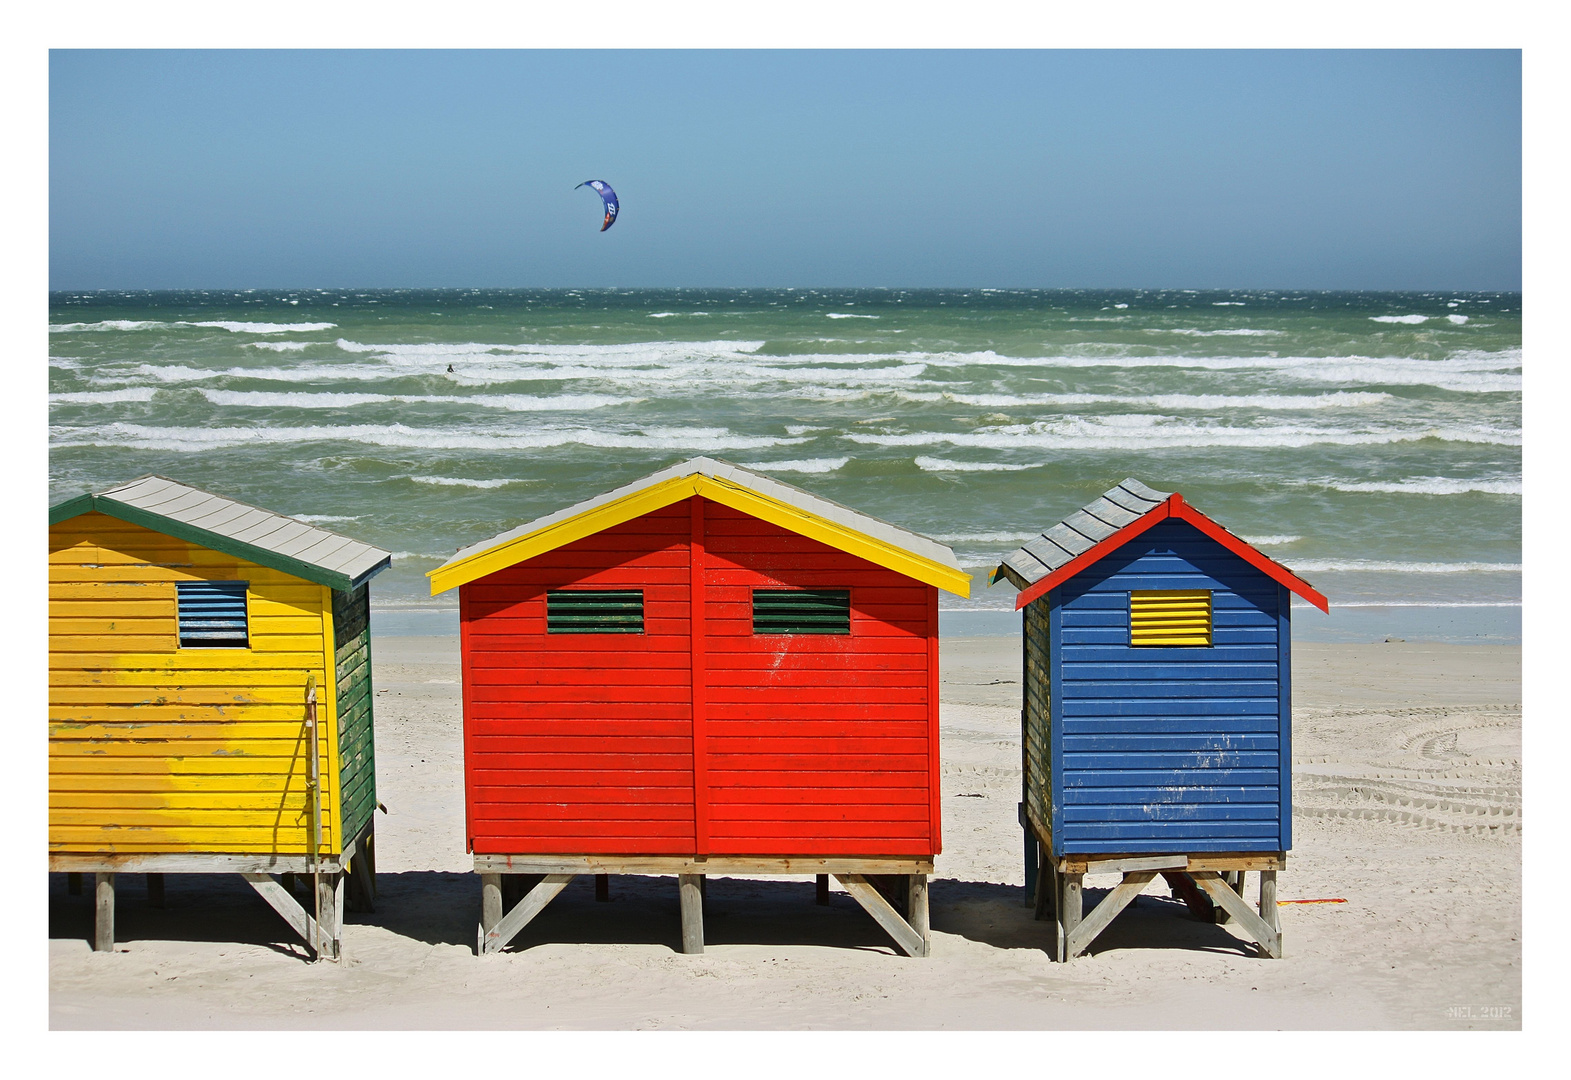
{"x":764,"y":485}
{"x":235,"y":528}
{"x":1079,"y":532}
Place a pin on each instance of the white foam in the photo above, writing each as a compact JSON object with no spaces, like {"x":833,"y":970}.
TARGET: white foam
{"x":1426,"y":485}
{"x":983,"y":537}
{"x":324,"y":519}
{"x":232,"y":327}
{"x":674,"y":314}
{"x":281,"y":346}
{"x":840,"y":315}
{"x":1460,"y":320}
{"x":197,"y":439}
{"x":933,"y":464}
{"x":1385,"y":566}
{"x":1240,"y":332}
{"x":1145,"y":431}
{"x":1409,"y":320}
{"x":329,"y":400}
{"x":107,"y":324}
{"x":1335,"y":400}
{"x":804,"y":465}
{"x":1271,"y":541}
{"x":103,"y":397}
{"x":262,"y":327}
{"x":1227,"y":303}
{"x":459,"y":481}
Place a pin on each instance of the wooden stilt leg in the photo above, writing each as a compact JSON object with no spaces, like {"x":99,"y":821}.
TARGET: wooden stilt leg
{"x":1033,"y":854}
{"x":490,"y":906}
{"x":155,"y":890}
{"x":1046,"y":884}
{"x":368,"y":852}
{"x":104,"y":918}
{"x":1270,"y":914}
{"x":1069,"y":909}
{"x":823,"y":888}
{"x":603,"y":888}
{"x":690,"y":886}
{"x":329,"y":888}
{"x":73,"y":884}
{"x":1235,"y":881}
{"x":543,"y":891}
{"x":916,"y":910}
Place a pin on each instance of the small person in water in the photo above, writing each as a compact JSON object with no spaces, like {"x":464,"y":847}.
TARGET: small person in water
{"x":449,"y":369}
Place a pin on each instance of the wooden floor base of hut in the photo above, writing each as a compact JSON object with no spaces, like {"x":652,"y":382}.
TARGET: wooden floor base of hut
{"x":1210,"y":883}
{"x":335,"y":883}
{"x":892,"y":891}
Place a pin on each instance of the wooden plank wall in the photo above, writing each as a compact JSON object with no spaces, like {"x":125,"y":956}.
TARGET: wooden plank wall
{"x":356,"y":750}
{"x":1176,"y":748}
{"x":582,"y":743}
{"x":154,"y":748}
{"x":1037,"y":752}
{"x":810,"y":744}
{"x":818,"y":744}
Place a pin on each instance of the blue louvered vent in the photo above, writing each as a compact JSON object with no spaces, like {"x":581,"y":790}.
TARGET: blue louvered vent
{"x":212,"y":614}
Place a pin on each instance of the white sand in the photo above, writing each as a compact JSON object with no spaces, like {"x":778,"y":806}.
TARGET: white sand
{"x":1407,"y":803}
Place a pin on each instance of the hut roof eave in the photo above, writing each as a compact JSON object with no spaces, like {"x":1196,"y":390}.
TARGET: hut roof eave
{"x":783,"y":504}
{"x":1112,"y":520}
{"x":234,"y":528}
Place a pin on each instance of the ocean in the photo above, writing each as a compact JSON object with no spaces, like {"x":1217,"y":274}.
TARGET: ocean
{"x":1372,"y":442}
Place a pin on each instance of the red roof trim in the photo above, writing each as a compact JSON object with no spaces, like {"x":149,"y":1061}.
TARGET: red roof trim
{"x":1175,"y":507}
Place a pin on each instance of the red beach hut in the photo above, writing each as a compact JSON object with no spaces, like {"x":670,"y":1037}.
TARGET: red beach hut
{"x":706,"y":671}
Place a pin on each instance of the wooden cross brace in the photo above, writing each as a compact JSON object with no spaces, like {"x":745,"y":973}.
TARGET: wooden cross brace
{"x":914,"y":937}
{"x":1268,"y":935}
{"x":331,"y":895}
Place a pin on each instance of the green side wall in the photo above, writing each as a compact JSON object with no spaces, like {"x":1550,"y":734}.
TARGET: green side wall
{"x":352,"y":663}
{"x":1037,"y":749}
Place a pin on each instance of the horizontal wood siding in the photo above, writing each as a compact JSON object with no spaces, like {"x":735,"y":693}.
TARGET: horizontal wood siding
{"x":1176,"y":748}
{"x":817,"y":744}
{"x":1037,"y":751}
{"x":582,"y":743}
{"x":156,"y":748}
{"x":356,"y":751}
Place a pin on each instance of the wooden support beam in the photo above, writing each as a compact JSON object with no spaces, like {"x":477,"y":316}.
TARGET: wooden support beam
{"x":1085,"y":931}
{"x":1253,"y":925}
{"x":1269,"y":911}
{"x":665,"y":864}
{"x":1124,"y":864}
{"x":1183,"y":886}
{"x":73,"y":884}
{"x":104,"y":913}
{"x":490,"y":907}
{"x":285,"y":904}
{"x":823,"y":888}
{"x":690,"y":887}
{"x":155,"y":890}
{"x":884,"y":913}
{"x":1069,"y":909}
{"x":1235,"y":881}
{"x":603,"y":888}
{"x":916,"y":910}
{"x":496,"y":939}
{"x":365,"y":882}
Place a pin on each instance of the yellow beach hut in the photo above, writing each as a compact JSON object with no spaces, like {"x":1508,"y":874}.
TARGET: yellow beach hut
{"x":199,"y":648}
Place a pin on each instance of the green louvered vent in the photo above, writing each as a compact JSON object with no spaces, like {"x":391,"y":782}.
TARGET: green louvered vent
{"x":212,"y":614}
{"x":595,"y":611}
{"x":801,"y":611}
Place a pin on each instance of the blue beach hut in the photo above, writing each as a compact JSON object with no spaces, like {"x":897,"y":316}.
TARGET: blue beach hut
{"x":1157,"y":715}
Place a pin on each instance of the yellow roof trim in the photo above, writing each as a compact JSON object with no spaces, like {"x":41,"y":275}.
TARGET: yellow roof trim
{"x":835,"y":535}
{"x":562,"y":533}
{"x":727,"y":493}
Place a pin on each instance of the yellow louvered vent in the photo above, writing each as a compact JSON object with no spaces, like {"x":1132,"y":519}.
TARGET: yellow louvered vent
{"x":1170,"y":617}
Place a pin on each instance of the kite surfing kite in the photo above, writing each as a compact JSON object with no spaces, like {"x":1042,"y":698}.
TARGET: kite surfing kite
{"x":611,"y":205}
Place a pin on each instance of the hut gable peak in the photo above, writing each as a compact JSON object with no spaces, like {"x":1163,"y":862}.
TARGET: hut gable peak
{"x":234,"y":528}
{"x":741,"y":489}
{"x":1112,"y":520}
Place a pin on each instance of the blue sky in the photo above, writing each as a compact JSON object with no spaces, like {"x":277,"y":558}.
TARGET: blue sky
{"x":236,"y":169}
